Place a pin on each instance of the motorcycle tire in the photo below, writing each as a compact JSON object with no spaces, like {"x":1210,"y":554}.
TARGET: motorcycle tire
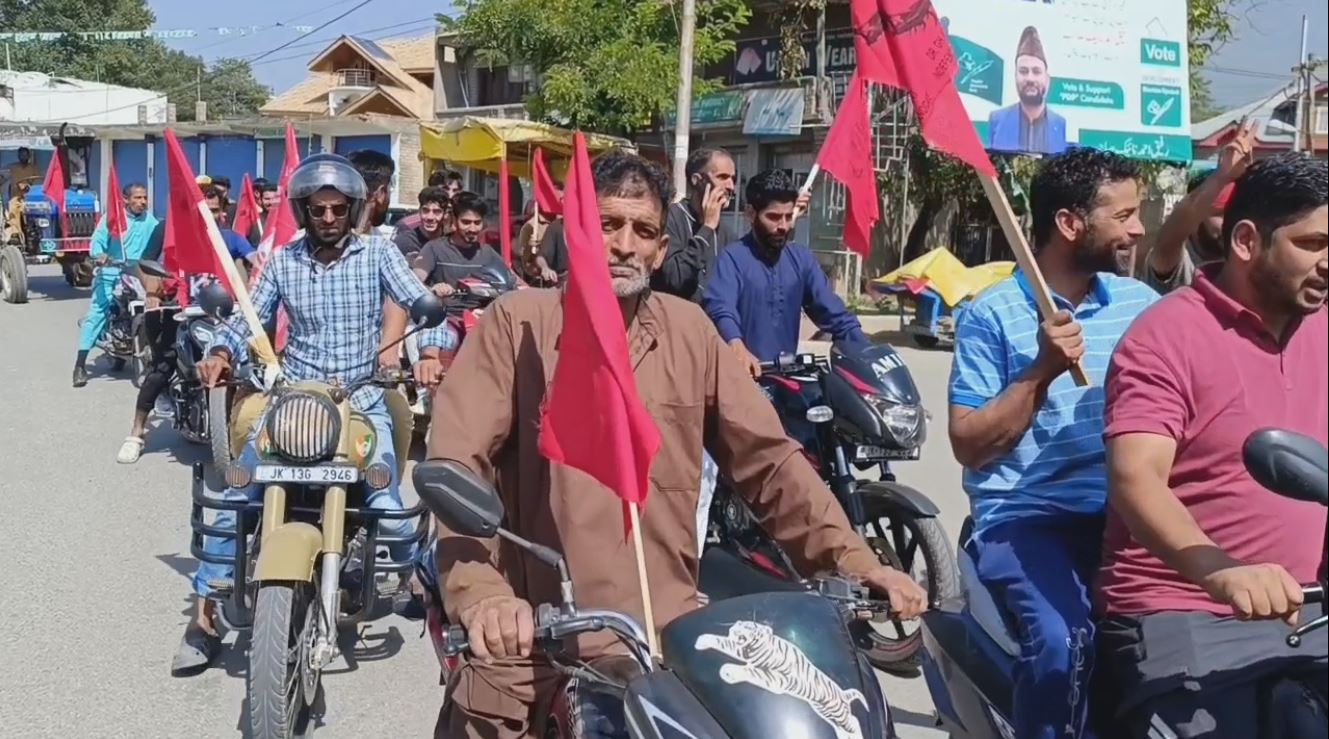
{"x":901,"y":652}
{"x":275,"y":689}
{"x":13,"y":275}
{"x":142,"y":353}
{"x":118,"y":363}
{"x":219,"y":427}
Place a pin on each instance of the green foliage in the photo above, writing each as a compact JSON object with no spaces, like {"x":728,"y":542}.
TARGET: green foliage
{"x":603,"y":65}
{"x":1211,"y":24}
{"x":144,"y":63}
{"x":795,"y":18}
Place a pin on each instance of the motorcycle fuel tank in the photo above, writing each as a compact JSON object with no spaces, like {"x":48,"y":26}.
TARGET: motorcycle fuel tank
{"x":776,"y":665}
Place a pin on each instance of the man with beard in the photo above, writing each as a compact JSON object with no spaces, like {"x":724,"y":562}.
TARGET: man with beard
{"x":331,"y":283}
{"x":697,"y":395}
{"x":1191,"y":235}
{"x":1203,"y":567}
{"x":1030,"y":441}
{"x":763,"y":284}
{"x":446,"y":261}
{"x":696,"y":233}
{"x":1028,"y":126}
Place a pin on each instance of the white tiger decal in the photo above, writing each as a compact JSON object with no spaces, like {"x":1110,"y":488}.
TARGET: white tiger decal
{"x":778,"y":666}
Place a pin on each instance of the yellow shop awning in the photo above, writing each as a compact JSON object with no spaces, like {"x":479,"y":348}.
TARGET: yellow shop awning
{"x":483,"y":143}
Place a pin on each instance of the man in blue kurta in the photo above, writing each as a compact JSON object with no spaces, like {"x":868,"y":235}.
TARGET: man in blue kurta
{"x":763,"y":283}
{"x":109,"y":254}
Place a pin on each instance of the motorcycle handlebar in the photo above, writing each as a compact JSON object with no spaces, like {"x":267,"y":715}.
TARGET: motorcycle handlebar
{"x":556,"y":626}
{"x":790,"y":364}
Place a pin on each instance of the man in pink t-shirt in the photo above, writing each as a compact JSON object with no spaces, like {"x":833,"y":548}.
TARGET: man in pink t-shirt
{"x":1202,"y":567}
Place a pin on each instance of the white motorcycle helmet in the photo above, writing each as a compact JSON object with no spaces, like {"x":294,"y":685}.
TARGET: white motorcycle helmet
{"x":326,"y":171}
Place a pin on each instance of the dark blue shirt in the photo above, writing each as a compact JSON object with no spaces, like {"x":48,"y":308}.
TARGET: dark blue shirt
{"x":761,"y":301}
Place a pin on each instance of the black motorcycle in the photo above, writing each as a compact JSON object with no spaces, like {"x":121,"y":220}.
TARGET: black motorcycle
{"x":971,"y":651}
{"x":122,"y":341}
{"x":857,"y":409}
{"x":770,"y":664}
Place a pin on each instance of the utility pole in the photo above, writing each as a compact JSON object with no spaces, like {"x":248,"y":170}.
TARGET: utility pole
{"x":1302,"y":70}
{"x":683,"y":119}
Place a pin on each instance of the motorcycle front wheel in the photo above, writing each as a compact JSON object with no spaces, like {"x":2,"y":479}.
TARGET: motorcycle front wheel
{"x":279,"y":686}
{"x":920,"y":547}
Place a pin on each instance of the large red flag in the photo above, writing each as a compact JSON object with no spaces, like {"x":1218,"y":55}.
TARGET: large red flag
{"x":246,"y":210}
{"x":901,"y":43}
{"x":593,"y":419}
{"x":187,"y":245}
{"x":117,"y":220}
{"x":281,"y":228}
{"x":53,"y":185}
{"x":547,"y":198}
{"x":846,"y":155}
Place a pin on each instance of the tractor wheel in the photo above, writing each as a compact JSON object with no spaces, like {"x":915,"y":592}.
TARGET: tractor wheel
{"x":13,"y":275}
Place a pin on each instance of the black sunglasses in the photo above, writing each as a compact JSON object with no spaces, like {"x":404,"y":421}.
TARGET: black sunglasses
{"x":339,"y":210}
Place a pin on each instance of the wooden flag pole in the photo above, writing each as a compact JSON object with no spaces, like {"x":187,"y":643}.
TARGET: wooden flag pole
{"x":647,"y":611}
{"x":807,"y":186}
{"x":1024,"y":257}
{"x":259,"y":343}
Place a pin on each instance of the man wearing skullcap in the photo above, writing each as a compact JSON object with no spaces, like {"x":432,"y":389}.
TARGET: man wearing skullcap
{"x":1028,"y":126}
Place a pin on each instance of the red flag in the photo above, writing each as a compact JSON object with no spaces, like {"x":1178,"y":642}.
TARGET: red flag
{"x":846,"y":155}
{"x":187,"y":245}
{"x":53,"y":186}
{"x":281,"y":228}
{"x":246,"y":210}
{"x":547,"y":198}
{"x":594,"y":420}
{"x":901,"y":43}
{"x":117,"y":220}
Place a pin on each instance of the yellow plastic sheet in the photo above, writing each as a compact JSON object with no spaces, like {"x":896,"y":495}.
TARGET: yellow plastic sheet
{"x":948,"y":276}
{"x":482,"y":143}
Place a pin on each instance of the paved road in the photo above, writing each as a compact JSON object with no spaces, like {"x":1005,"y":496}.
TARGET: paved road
{"x":94,"y":563}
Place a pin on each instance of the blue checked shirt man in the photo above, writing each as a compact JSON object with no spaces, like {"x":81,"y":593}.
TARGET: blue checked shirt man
{"x":336,"y":315}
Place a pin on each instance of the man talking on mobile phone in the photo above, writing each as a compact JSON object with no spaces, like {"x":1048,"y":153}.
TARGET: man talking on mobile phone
{"x":694,"y":229}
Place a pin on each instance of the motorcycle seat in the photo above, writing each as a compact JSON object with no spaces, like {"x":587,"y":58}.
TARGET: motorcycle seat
{"x":981,"y":607}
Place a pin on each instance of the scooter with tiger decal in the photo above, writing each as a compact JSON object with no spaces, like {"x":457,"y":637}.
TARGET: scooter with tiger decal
{"x":777,"y":661}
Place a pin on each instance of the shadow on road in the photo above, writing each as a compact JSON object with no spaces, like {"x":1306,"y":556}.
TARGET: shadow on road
{"x":53,"y":289}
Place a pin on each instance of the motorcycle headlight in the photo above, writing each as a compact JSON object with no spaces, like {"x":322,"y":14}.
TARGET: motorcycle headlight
{"x":203,"y":333}
{"x":907,"y":424}
{"x":43,"y":223}
{"x":303,"y":428}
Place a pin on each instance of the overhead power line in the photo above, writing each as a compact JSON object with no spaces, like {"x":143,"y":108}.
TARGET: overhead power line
{"x":211,"y":75}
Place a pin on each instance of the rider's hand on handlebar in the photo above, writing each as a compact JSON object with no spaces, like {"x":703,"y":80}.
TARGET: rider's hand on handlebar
{"x":1256,"y":592}
{"x":211,"y":369}
{"x":443,"y":289}
{"x":428,"y":372}
{"x":498,"y":627}
{"x":908,"y":598}
{"x":102,"y":260}
{"x":749,"y":362}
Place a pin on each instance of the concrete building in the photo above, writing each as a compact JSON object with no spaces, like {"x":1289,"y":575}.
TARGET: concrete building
{"x":33,"y":97}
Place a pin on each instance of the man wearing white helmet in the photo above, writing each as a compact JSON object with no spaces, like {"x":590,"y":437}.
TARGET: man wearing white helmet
{"x":332,"y":283}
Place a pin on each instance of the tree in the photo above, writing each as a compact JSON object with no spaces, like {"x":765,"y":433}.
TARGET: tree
{"x":1210,"y":25}
{"x":604,"y":65}
{"x":142,"y":63}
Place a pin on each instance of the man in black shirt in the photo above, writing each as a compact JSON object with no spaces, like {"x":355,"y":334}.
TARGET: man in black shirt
{"x":446,"y":261}
{"x":696,"y":234}
{"x":434,"y":205}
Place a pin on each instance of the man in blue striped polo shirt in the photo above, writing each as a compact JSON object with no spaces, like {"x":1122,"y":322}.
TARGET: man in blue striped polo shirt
{"x":1031,"y":441}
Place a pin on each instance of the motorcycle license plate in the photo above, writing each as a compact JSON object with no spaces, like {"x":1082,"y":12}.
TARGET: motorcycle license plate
{"x":326,"y":474}
{"x":876,"y":454}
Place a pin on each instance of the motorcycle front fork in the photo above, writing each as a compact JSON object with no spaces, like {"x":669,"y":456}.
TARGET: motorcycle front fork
{"x":333,"y":525}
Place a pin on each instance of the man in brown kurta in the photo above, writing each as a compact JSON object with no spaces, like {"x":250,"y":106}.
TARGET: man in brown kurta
{"x":488,"y":416}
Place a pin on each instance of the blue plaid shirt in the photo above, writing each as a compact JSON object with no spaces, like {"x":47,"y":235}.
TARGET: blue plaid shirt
{"x":335,"y":310}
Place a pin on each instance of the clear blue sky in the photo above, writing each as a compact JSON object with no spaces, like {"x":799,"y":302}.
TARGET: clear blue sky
{"x":1255,"y":63}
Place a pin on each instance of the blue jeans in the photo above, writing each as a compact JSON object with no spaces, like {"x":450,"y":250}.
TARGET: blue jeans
{"x":1040,"y":572}
{"x":388,"y":499}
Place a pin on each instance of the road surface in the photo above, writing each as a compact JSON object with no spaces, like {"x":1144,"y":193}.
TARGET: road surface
{"x":94,"y":582}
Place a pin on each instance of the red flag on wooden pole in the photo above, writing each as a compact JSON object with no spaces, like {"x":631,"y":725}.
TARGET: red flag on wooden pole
{"x":246,"y":209}
{"x":547,"y":198}
{"x":117,"y":220}
{"x":187,"y":245}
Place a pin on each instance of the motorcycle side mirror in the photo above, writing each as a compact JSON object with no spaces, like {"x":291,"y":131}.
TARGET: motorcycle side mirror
{"x":1290,"y":464}
{"x":428,"y":311}
{"x":153,"y":267}
{"x":215,"y":301}
{"x":462,"y":501}
{"x":470,"y":506}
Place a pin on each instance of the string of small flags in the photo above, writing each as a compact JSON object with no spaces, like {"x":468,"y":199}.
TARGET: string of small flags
{"x":147,"y":33}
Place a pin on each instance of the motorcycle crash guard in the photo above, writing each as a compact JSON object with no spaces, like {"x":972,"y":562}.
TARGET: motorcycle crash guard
{"x":288,"y":553}
{"x":897,"y":498}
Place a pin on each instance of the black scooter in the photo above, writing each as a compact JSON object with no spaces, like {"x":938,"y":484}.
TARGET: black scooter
{"x":775,"y":664}
{"x":856,"y":409}
{"x":970,"y":653}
